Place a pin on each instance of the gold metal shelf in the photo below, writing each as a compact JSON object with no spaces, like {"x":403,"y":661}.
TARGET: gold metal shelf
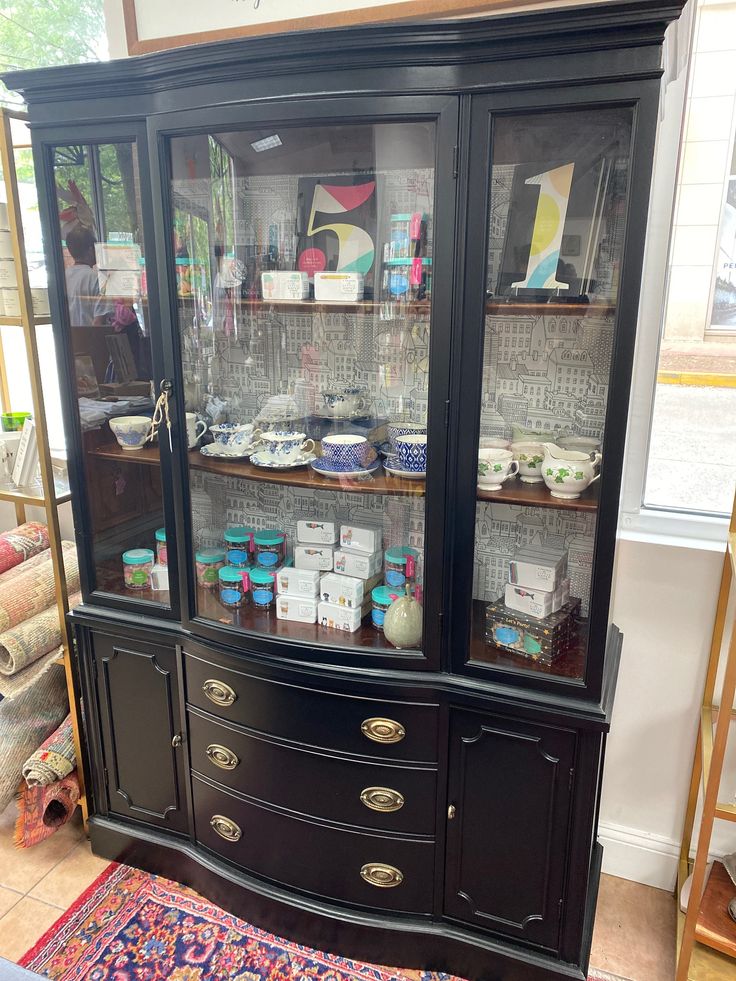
{"x":49,"y":499}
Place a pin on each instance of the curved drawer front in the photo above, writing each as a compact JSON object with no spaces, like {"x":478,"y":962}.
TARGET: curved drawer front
{"x":371,"y":727}
{"x":371,"y":795}
{"x":345,"y":866}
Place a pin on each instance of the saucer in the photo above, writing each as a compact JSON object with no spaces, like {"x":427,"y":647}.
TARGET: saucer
{"x":396,"y":470}
{"x":212,"y":449}
{"x":259,"y":460}
{"x":326,"y":470}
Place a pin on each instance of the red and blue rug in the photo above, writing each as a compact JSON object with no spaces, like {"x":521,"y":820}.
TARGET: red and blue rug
{"x":133,"y":926}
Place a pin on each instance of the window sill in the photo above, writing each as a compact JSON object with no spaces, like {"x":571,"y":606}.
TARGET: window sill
{"x":673,"y":528}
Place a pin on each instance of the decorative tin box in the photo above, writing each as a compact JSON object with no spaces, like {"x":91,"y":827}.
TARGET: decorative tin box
{"x":537,"y":602}
{"x":298,"y":582}
{"x":319,"y":557}
{"x":541,"y":640}
{"x":340,"y":287}
{"x":339,"y":617}
{"x":364,"y":566}
{"x":317,"y":532}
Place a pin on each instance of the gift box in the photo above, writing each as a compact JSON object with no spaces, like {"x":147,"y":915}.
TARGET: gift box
{"x":339,"y":617}
{"x":358,"y":564}
{"x":317,"y":532}
{"x":299,"y":609}
{"x":319,"y":557}
{"x":540,"y":640}
{"x":538,"y":568}
{"x":298,"y":582}
{"x":537,"y":603}
{"x":363,"y":539}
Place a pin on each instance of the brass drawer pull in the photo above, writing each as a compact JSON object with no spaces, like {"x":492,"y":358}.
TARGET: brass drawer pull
{"x":218,"y":692}
{"x":382,"y":876}
{"x":222,"y":756}
{"x":225,"y":828}
{"x":383,"y":730}
{"x":382,"y":799}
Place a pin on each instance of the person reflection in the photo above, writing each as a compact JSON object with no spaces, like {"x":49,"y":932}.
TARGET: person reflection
{"x":89,"y":309}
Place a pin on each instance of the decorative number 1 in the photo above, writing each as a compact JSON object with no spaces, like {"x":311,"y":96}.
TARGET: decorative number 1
{"x":549,"y":224}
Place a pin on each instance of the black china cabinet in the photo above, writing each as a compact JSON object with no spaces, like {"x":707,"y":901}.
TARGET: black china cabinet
{"x":344,"y":650}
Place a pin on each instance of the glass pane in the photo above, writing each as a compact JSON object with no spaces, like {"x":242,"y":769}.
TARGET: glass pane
{"x":304,"y":275}
{"x":556,"y":231}
{"x":98,"y":196}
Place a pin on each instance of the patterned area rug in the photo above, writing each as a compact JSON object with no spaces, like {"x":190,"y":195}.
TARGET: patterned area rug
{"x":132,"y":925}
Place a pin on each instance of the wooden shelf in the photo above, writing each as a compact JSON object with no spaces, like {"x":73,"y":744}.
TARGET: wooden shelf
{"x":508,"y":308}
{"x":378,"y":483}
{"x":715,"y":928}
{"x":525,"y":495}
{"x":514,"y":491}
{"x":570,"y":665}
{"x":18,"y":322}
{"x":310,"y":634}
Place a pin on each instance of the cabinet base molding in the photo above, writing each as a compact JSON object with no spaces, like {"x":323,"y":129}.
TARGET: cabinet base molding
{"x":412,"y":943}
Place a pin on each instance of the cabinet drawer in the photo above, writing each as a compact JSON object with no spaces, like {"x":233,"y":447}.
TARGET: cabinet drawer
{"x":326,"y":861}
{"x":371,"y":727}
{"x":373,"y":795}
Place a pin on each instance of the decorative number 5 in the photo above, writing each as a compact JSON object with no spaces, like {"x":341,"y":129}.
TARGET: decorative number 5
{"x":549,"y":224}
{"x":356,"y":250}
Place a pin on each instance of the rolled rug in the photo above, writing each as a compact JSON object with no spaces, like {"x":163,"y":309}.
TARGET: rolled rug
{"x":33,"y":590}
{"x":13,"y":684}
{"x":21,"y":543}
{"x":54,"y":759}
{"x":26,"y":642}
{"x":31,"y":563}
{"x":26,"y":720}
{"x":43,"y":810}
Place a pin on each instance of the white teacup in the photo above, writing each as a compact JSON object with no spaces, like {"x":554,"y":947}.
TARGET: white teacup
{"x":495,"y":466}
{"x":493,"y":443}
{"x":193,"y":425}
{"x":344,"y":401}
{"x":284,"y":447}
{"x":231,"y":437}
{"x":131,"y":432}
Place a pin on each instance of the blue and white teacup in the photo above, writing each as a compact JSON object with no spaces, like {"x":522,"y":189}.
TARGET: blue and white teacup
{"x":344,"y":401}
{"x":284,"y":447}
{"x":412,"y":452}
{"x":346,"y":451}
{"x":232,"y":436}
{"x":396,"y":429}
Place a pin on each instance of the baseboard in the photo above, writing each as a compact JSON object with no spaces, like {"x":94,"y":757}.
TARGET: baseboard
{"x":641,"y":857}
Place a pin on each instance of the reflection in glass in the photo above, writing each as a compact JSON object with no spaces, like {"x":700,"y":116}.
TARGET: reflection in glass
{"x":303,"y":264}
{"x":100,"y":226}
{"x":558,"y":188}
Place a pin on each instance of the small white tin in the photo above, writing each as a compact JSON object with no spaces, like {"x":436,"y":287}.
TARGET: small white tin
{"x":318,"y":557}
{"x":298,"y":582}
{"x":338,"y":617}
{"x":361,"y":538}
{"x":299,"y":609}
{"x":317,"y":532}
{"x":357,"y":564}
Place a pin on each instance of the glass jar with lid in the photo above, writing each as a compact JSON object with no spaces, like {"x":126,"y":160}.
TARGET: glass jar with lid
{"x":240,"y":547}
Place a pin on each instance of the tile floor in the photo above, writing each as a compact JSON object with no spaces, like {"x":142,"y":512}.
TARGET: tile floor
{"x":634,"y":932}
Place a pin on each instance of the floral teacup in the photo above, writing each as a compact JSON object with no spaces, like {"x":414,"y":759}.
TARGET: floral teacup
{"x":344,"y":401}
{"x":131,"y":432}
{"x":529,"y":456}
{"x":284,"y":447}
{"x":231,"y":436}
{"x":495,"y":466}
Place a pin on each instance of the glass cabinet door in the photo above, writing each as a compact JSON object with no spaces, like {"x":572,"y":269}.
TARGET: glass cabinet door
{"x":109,"y":339}
{"x":558,"y":187}
{"x":303,"y":260}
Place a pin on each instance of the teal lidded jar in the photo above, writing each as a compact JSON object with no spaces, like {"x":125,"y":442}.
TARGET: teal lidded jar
{"x":208,"y":562}
{"x":382,"y":597}
{"x":400,"y":566}
{"x":240,"y":547}
{"x":234,"y":585}
{"x":263,"y":588}
{"x":270,"y":548}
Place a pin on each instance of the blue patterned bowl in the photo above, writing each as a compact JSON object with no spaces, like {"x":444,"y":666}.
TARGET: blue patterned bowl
{"x":412,"y":452}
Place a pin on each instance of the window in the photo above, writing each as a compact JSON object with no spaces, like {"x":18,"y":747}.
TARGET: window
{"x":681,"y":451}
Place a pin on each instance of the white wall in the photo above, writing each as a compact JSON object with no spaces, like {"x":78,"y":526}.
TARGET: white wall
{"x":664,"y":601}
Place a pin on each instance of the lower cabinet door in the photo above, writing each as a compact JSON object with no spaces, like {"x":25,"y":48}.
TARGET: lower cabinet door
{"x":507,"y":830}
{"x":138,"y":698}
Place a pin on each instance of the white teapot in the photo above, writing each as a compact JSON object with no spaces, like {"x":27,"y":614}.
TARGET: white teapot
{"x":568,"y":472}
